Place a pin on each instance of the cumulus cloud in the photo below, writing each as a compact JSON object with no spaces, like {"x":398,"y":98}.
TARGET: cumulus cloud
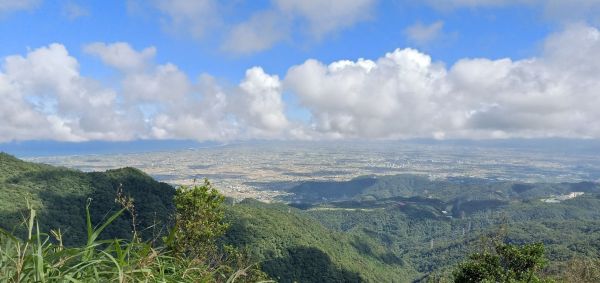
{"x":261,"y":104}
{"x":253,"y":109}
{"x":177,"y":107}
{"x":383,"y":98}
{"x":196,"y":111}
{"x":422,"y":34}
{"x":405,"y":94}
{"x":402,"y":94}
{"x":45,"y":97}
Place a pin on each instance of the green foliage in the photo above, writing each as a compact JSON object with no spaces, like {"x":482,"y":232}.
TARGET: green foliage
{"x":59,"y":195}
{"x":507,"y":263}
{"x":308,"y":264}
{"x":384,"y":229}
{"x":44,"y":258}
{"x":78,"y":251}
{"x":293,"y":246}
{"x":199,"y":222}
{"x":581,"y":270}
{"x":402,"y":238}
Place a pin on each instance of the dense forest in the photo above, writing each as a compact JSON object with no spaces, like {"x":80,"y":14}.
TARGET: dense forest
{"x":376,"y":229}
{"x":60,"y":195}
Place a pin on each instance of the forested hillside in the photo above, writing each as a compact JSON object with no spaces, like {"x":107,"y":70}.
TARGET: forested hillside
{"x":295,"y":247}
{"x":381,"y":241}
{"x":409,"y":225}
{"x":60,"y":195}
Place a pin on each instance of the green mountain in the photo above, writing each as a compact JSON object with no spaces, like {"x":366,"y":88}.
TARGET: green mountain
{"x":408,"y":227}
{"x":455,"y":189}
{"x":295,"y":247}
{"x":370,"y":229}
{"x":404,"y":239}
{"x":60,"y":195}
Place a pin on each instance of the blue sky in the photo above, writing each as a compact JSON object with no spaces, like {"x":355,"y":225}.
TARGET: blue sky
{"x":204,"y":52}
{"x":493,"y":32}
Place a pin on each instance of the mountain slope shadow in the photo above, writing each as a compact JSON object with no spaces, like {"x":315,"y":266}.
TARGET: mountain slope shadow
{"x":60,"y":195}
{"x":307,"y":264}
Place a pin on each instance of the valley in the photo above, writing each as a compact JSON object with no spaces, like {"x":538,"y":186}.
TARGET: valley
{"x":393,"y":227}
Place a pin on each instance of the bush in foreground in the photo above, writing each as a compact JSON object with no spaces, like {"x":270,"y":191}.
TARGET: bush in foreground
{"x":42,"y":257}
{"x":506,"y":263}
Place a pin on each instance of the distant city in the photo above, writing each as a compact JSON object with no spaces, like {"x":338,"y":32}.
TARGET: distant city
{"x":263,"y":170}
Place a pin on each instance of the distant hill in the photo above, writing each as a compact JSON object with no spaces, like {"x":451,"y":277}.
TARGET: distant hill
{"x":60,"y":196}
{"x":456,"y":189}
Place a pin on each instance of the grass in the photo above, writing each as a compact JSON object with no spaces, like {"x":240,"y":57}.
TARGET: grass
{"x":42,"y":257}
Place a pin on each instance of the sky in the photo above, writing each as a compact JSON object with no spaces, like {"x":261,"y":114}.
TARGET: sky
{"x":209,"y":70}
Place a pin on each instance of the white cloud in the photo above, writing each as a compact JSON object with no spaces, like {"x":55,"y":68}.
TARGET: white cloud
{"x":422,"y":34}
{"x":73,"y":11}
{"x":405,"y":94}
{"x":261,"y":32}
{"x":556,"y":10}
{"x":164,"y":83}
{"x":400,"y":95}
{"x":121,"y":56}
{"x":573,"y":10}
{"x":383,"y":98}
{"x":189,"y":17}
{"x":45,"y":97}
{"x":306,"y":19}
{"x":201,"y":112}
{"x":282,"y":20}
{"x":7,"y":6}
{"x":177,"y":107}
{"x":324,"y":17}
{"x":261,"y":104}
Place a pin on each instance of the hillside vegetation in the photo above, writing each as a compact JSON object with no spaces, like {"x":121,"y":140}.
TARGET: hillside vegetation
{"x":60,"y":195}
{"x":408,"y":227}
{"x":294,"y":247}
{"x":371,"y":229}
{"x":186,"y":251}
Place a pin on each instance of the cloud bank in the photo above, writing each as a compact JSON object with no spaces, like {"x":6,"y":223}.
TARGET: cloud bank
{"x":403,"y":94}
